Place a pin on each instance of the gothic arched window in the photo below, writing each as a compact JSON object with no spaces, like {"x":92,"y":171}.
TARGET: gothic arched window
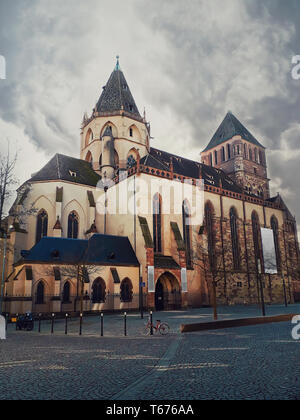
{"x":250,"y":154}
{"x":40,"y":293}
{"x":42,"y":225}
{"x":73,"y":225}
{"x":131,"y":162}
{"x":235,"y":239}
{"x":228,"y":152}
{"x":187,"y":231}
{"x":210,"y":234}
{"x":126,"y":291}
{"x":216,"y":157}
{"x":66,"y":293}
{"x":274,"y":226}
{"x":98,"y":291}
{"x":223,"y":154}
{"x":157,"y":223}
{"x":256,"y":238}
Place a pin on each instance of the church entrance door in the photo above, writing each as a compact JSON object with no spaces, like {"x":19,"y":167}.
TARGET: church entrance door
{"x":167,"y":293}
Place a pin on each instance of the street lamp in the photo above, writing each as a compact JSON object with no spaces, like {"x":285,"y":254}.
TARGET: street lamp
{"x":3,"y":268}
{"x":259,"y":269}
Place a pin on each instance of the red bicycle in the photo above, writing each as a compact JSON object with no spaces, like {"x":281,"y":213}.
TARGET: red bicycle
{"x":162,"y":327}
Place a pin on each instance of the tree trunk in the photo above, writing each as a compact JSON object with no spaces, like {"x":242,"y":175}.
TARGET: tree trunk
{"x":214,"y":300}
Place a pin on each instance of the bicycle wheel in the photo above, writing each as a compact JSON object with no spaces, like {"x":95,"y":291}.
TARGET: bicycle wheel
{"x":146,"y":330}
{"x":164,"y":328}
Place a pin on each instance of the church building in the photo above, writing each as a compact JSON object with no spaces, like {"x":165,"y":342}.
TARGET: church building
{"x":74,"y":252}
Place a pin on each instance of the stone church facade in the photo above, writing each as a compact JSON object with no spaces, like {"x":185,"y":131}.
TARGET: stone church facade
{"x":74,"y":253}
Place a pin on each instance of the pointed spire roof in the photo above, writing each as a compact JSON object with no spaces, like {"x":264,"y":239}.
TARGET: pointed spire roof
{"x":116,"y":95}
{"x":229,"y":128}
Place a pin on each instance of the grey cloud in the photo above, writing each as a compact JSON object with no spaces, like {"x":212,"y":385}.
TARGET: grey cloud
{"x":190,"y":61}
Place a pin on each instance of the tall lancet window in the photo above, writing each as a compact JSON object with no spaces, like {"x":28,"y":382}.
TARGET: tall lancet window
{"x":157,"y":223}
{"x":73,"y":225}
{"x":41,"y":225}
{"x":209,"y":211}
{"x":235,"y":239}
{"x":187,"y":231}
{"x":274,"y":226}
{"x":256,"y":238}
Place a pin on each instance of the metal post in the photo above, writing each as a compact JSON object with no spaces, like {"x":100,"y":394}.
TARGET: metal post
{"x":40,"y":322}
{"x":3,"y":272}
{"x":66,"y":325}
{"x":261,"y":287}
{"x":125,"y":324}
{"x":52,"y":324}
{"x":141,"y":295}
{"x":151,"y":323}
{"x":101,"y":325}
{"x":17,"y":322}
{"x":80,"y":325}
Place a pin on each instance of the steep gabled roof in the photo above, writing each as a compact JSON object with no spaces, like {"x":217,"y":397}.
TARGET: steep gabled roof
{"x":279,"y":200}
{"x":116,"y":95}
{"x":99,"y":250}
{"x":161,"y":160}
{"x":67,"y":168}
{"x":229,"y":128}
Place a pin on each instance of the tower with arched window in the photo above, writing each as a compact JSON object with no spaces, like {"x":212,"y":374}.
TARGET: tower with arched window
{"x":240,"y":155}
{"x":114,"y":128}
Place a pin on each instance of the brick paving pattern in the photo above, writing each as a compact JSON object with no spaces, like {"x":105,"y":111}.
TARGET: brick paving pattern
{"x":257,"y":362}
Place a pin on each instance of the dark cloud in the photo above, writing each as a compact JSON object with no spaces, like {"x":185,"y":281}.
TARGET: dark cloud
{"x":188,"y":61}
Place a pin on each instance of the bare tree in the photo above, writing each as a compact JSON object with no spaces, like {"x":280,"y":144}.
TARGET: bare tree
{"x":8,"y":181}
{"x":212,"y":267}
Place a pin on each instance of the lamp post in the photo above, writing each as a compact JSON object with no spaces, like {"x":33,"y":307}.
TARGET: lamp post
{"x":3,"y":271}
{"x":261,"y":287}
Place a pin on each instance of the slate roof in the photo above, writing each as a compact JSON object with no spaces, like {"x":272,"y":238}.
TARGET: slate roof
{"x":160,"y":159}
{"x":99,"y":249}
{"x":229,"y":128}
{"x":61,"y":167}
{"x":277,"y":199}
{"x":116,"y":95}
{"x":163,"y":261}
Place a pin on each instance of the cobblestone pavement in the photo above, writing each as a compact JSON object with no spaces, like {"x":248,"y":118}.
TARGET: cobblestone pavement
{"x":250,"y":362}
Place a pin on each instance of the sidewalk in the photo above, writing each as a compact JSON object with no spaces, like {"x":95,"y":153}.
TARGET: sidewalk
{"x":114,"y":323}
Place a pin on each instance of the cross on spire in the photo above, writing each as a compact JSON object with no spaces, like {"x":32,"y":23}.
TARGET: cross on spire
{"x":118,"y":63}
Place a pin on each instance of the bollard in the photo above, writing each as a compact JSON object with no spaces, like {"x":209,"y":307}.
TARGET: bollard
{"x":52,"y":324}
{"x":125,"y":324}
{"x":101,"y":325}
{"x":6,"y":321}
{"x":40,"y":315}
{"x":66,"y":325}
{"x":80,"y":325}
{"x":151,"y":323}
{"x":17,"y":322}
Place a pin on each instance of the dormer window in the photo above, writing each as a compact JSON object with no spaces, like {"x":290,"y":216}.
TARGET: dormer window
{"x":73,"y":174}
{"x":131,"y":108}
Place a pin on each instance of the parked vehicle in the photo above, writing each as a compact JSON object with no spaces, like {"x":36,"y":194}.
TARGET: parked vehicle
{"x":25,"y":322}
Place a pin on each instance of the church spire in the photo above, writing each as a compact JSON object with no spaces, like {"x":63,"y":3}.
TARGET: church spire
{"x":116,"y":95}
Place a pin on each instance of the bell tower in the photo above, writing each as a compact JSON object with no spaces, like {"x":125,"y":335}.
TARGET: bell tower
{"x":115,"y":135}
{"x":237,"y":152}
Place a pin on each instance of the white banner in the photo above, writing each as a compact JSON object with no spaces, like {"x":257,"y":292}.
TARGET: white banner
{"x":269,"y":253}
{"x":151,"y":286}
{"x":183,"y":280}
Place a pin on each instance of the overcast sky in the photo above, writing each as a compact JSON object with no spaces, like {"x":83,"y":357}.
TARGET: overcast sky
{"x":187,"y":62}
